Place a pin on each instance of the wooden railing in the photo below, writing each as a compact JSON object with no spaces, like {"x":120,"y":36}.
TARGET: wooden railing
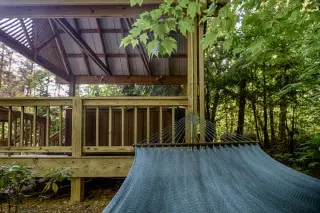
{"x":85,"y":126}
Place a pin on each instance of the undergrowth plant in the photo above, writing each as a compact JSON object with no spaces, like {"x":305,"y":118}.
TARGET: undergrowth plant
{"x":17,"y":179}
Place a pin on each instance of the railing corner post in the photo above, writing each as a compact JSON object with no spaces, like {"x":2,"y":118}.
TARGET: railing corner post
{"x":76,"y":127}
{"x":77,"y":189}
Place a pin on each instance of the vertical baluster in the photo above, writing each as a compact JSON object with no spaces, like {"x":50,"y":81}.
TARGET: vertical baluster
{"x":34,"y":130}
{"x":110,"y":125}
{"x":47,"y":125}
{"x":122,"y":126}
{"x":97,"y":126}
{"x":9,"y":126}
{"x":60,"y":125}
{"x":173,"y":125}
{"x":84,"y":125}
{"x":22,"y":126}
{"x":160,"y":124}
{"x":2,"y":130}
{"x":30,"y":132}
{"x":135,"y":125}
{"x":148,"y":124}
{"x":15,"y":131}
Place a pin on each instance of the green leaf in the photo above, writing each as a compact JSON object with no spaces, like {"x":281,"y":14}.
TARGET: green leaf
{"x":186,"y":25}
{"x":184,"y":3}
{"x":126,"y":41}
{"x":144,"y":38}
{"x":135,"y":31}
{"x":2,"y":183}
{"x":47,"y":186}
{"x":193,"y":9}
{"x":55,"y":187}
{"x":156,"y":14}
{"x":313,"y":164}
{"x":134,"y":2}
{"x":161,"y":30}
{"x":153,"y":47}
{"x":169,"y":44}
{"x":227,"y":44}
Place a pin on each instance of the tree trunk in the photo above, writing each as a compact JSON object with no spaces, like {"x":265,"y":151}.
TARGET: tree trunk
{"x":282,"y":122}
{"x":215,"y":104}
{"x":266,"y":143}
{"x":254,"y":109}
{"x":291,"y":133}
{"x":242,"y":106}
{"x":207,"y":104}
{"x":272,"y":126}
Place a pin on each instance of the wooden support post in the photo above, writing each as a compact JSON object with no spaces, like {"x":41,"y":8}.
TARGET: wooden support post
{"x":135,"y":125}
{"x":34,"y":129}
{"x":77,"y":189}
{"x":201,"y":84}
{"x":148,"y":124}
{"x":110,"y":126}
{"x":77,"y":185}
{"x":195,"y":89}
{"x":72,"y":89}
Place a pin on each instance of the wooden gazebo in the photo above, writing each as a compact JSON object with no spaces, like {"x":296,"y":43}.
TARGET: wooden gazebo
{"x":78,"y":41}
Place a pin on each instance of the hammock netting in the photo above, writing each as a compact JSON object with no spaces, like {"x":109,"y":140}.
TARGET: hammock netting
{"x":211,"y":178}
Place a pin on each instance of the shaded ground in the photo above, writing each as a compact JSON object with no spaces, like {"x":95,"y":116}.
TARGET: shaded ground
{"x":98,"y":194}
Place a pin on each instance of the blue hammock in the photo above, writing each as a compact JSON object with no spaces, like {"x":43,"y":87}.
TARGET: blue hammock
{"x":219,"y":179}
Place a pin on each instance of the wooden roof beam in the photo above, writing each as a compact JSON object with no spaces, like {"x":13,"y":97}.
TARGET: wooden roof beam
{"x":77,"y":38}
{"x":119,"y":79}
{"x":61,"y":49}
{"x":71,"y":2}
{"x":26,"y":52}
{"x":123,"y":55}
{"x":64,"y":11}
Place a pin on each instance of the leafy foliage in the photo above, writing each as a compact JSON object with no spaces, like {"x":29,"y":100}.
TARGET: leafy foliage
{"x":55,"y":176}
{"x":13,"y":180}
{"x":154,"y":29}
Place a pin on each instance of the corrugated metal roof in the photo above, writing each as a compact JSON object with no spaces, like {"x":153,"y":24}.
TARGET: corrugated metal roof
{"x":119,"y":60}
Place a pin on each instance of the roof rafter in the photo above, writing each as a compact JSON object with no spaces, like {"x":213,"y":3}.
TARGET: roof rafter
{"x":104,"y":49}
{"x":46,"y":42}
{"x":78,"y":39}
{"x":125,"y":48}
{"x":85,"y":56}
{"x":61,"y":49}
{"x":26,"y":33}
{"x":143,"y":55}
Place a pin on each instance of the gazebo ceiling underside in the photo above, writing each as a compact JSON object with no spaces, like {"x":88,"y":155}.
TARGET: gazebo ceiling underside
{"x":87,"y":50}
